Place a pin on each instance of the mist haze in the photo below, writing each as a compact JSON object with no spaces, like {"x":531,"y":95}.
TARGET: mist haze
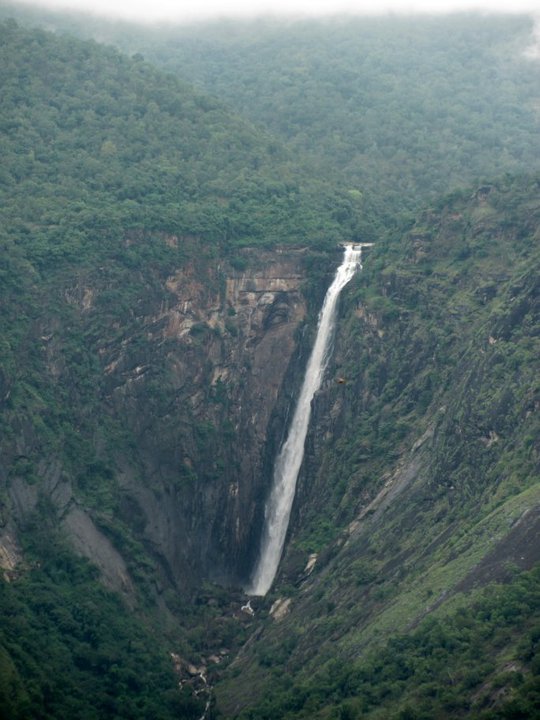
{"x":205,"y":9}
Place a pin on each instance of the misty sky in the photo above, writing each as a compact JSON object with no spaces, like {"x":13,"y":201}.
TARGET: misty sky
{"x":195,"y":9}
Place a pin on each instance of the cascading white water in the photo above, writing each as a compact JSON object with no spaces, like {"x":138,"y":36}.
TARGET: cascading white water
{"x":289,"y":460}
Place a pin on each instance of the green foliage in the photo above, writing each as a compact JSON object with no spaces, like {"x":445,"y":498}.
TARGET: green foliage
{"x":98,"y":145}
{"x":397,"y":109}
{"x":428,"y":456}
{"x":70,"y":648}
{"x":114,"y":177}
{"x":430,"y":672}
{"x":458,"y":338}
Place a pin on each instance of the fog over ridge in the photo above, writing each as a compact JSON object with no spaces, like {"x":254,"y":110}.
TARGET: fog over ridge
{"x":190,"y":10}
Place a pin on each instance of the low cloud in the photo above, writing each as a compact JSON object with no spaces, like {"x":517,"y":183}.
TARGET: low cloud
{"x":201,"y":9}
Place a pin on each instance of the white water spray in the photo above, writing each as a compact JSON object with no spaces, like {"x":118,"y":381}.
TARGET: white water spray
{"x":289,"y":460}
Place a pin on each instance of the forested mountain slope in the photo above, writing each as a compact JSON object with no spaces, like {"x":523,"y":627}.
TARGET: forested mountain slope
{"x":109,"y":142}
{"x":162,"y":266}
{"x":403,"y":108}
{"x":420,"y":487}
{"x":129,"y":317}
{"x":398,"y":109}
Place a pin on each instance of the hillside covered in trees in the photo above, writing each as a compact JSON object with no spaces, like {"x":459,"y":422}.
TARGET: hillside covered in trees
{"x":396,"y":109}
{"x":113,"y":177}
{"x":169,"y":222}
{"x":420,"y":486}
{"x":402,"y":108}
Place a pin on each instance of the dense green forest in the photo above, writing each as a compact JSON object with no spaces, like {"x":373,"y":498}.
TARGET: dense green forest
{"x":397,"y":110}
{"x":153,"y":205}
{"x":95,"y":142}
{"x":69,"y":648}
{"x":402,"y":108}
{"x":430,"y":672}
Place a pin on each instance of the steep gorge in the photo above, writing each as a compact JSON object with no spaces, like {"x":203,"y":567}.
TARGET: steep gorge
{"x":158,"y":306}
{"x":197,"y":387}
{"x":203,"y":453}
{"x":139,"y":386}
{"x":420,"y":481}
{"x":419,"y":484}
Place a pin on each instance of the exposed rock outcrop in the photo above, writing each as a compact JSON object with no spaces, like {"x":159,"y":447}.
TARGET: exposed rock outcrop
{"x":219,"y":349}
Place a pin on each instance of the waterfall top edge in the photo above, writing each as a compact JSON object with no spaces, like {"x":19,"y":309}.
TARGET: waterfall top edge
{"x":356,"y":246}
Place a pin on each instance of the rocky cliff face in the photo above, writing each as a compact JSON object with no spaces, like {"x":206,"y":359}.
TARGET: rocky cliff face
{"x":224,"y":342}
{"x":420,"y":479}
{"x":193,"y":389}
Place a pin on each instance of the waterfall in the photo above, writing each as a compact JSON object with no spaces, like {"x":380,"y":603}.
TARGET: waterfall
{"x":289,"y":459}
